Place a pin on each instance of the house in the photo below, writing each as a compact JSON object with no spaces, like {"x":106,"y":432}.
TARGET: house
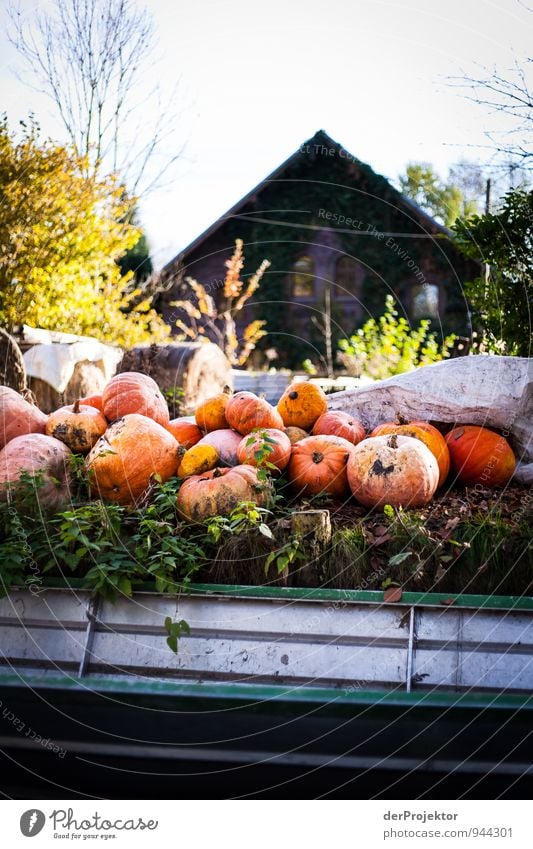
{"x":339,"y":238}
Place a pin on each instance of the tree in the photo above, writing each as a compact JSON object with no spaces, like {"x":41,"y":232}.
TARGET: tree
{"x":503,"y":298}
{"x":62,"y":232}
{"x":444,"y":201}
{"x":507,"y":94}
{"x":90,"y":58}
{"x":214,"y":318}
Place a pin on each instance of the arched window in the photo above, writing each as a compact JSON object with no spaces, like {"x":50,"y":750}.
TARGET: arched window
{"x":346,"y":274}
{"x":425,"y":301}
{"x":303,"y":277}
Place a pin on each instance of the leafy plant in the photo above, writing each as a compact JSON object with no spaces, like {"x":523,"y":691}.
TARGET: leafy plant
{"x":389,"y":346}
{"x":175,"y":630}
{"x":502,"y":298}
{"x":214,"y":317}
{"x":243,"y":518}
{"x":287,"y":555}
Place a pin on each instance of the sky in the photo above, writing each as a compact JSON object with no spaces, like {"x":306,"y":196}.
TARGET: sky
{"x":255,"y":79}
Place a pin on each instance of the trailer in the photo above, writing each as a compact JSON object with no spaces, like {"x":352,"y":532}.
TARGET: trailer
{"x":339,"y":691}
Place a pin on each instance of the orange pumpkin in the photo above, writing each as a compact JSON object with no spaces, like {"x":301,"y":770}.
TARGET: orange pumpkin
{"x":17,"y":416}
{"x":132,"y":392}
{"x":41,"y":455}
{"x":186,"y":432}
{"x":276,"y":440}
{"x":77,"y":426}
{"x":480,"y":456}
{"x":318,"y":464}
{"x":301,"y":404}
{"x":246,"y":412}
{"x":93,"y":401}
{"x":132,"y":451}
{"x":339,"y":423}
{"x":426,"y":433}
{"x":218,"y":492}
{"x":197,"y":460}
{"x":226,"y":442}
{"x":296,"y":434}
{"x":210,"y":415}
{"x":394,"y":469}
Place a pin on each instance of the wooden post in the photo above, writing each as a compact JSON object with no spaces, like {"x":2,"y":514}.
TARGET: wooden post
{"x":313,"y":529}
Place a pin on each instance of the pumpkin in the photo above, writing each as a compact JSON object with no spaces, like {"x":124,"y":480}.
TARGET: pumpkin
{"x":93,"y":401}
{"x":37,"y":454}
{"x":278,"y":442}
{"x":339,"y":423}
{"x":186,"y":432}
{"x":210,"y":415}
{"x":218,"y":492}
{"x":198,"y":459}
{"x":78,"y":426}
{"x":318,"y":464}
{"x":301,"y":404}
{"x":392,"y":469}
{"x":296,"y":434}
{"x":246,"y":412}
{"x":480,"y":456}
{"x":226,"y":442}
{"x":429,"y":435}
{"x":132,"y":450}
{"x":17,"y":416}
{"x":132,"y":392}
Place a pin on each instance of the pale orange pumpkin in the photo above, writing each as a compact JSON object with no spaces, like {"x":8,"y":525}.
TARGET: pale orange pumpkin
{"x":132,"y":392}
{"x":296,"y":434}
{"x":197,"y":460}
{"x":210,"y":414}
{"x":429,"y":435}
{"x":392,"y":469}
{"x":246,"y":412}
{"x":42,"y":456}
{"x":226,"y":442}
{"x":301,"y":404}
{"x":339,"y":423}
{"x":218,"y":492}
{"x":17,"y":416}
{"x":186,"y":432}
{"x":133,"y":450}
{"x":480,"y":456}
{"x":318,"y":464}
{"x":78,"y":426}
{"x":93,"y":401}
{"x":259,"y":441}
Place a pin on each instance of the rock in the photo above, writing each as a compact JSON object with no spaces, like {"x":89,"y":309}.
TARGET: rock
{"x":495,"y":392}
{"x":189,"y":371}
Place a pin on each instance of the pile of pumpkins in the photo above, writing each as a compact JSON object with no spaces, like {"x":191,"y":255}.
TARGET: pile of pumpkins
{"x":128,"y":439}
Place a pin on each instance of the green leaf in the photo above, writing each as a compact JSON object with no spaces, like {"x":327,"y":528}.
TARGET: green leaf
{"x":396,"y":559}
{"x":265,"y":530}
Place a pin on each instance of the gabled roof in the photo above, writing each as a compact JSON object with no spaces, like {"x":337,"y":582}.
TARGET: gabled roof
{"x":320,"y":138}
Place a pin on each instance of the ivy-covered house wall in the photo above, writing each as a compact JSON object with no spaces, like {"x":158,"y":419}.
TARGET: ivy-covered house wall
{"x":328,"y":222}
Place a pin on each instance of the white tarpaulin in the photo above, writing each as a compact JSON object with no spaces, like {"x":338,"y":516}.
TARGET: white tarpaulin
{"x":54,"y":356}
{"x":494,"y":392}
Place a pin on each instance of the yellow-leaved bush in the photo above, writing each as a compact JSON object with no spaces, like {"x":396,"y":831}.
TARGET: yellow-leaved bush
{"x":61,"y":234}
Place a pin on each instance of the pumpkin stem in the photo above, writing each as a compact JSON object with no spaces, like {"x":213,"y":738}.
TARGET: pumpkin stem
{"x":401,"y":419}
{"x":76,"y":407}
{"x":217,"y":473}
{"x":393,"y":440}
{"x":317,"y":456}
{"x":293,"y":395}
{"x":227,"y":390}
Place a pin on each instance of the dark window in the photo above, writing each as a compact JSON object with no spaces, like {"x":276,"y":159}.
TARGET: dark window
{"x":303,"y":277}
{"x":425,"y":301}
{"x":346,"y":274}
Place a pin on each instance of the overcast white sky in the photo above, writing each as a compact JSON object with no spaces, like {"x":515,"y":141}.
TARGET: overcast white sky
{"x":258,"y":78}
